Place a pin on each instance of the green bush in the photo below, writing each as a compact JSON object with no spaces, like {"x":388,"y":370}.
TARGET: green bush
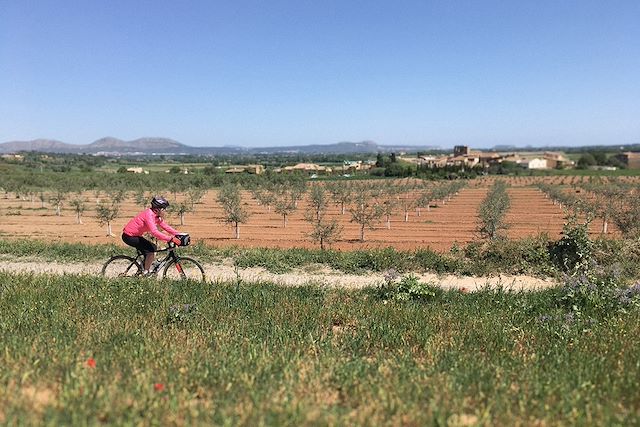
{"x":409,"y":288}
{"x":525,"y":256}
{"x":573,"y":252}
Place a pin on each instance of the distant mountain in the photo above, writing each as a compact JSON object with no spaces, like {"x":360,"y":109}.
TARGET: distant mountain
{"x":44,"y":145}
{"x":338,"y":148}
{"x":143,"y":145}
{"x":115,"y":146}
{"x":108,"y":145}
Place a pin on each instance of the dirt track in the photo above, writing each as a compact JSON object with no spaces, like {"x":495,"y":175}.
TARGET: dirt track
{"x":323,"y":277}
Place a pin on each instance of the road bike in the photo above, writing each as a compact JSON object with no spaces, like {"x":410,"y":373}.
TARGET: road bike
{"x":172,"y":266}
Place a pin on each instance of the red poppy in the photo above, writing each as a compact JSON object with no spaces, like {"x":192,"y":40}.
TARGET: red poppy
{"x":158,"y":387}
{"x":464,"y":290}
{"x":91,"y":362}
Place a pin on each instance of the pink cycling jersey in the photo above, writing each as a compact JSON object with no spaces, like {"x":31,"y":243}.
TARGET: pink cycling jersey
{"x":148,"y":221}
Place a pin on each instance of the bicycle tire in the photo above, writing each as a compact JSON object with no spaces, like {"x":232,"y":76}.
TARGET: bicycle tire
{"x":184,"y":268}
{"x":121,"y":266}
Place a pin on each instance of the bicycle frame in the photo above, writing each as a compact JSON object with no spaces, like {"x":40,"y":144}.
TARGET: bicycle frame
{"x":160,"y":263}
{"x":186,"y":267}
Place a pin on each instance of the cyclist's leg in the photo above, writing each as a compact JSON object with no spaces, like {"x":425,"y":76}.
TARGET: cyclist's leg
{"x":143,"y":245}
{"x":149,"y":251}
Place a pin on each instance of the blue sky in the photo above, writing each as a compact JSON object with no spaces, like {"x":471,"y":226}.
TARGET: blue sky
{"x":265,"y":73}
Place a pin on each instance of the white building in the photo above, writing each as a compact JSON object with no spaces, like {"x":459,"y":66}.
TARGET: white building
{"x":536,"y":163}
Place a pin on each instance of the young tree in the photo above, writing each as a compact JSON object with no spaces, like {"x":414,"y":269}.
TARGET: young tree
{"x":387,"y":207}
{"x":297,"y":188}
{"x":264,"y":196}
{"x":606,"y":201}
{"x":117,"y":195}
{"x":194,"y":196}
{"x":318,"y":200}
{"x":79,"y":205}
{"x":181,"y":209}
{"x":324,"y":231}
{"x":627,"y":216}
{"x":230,"y":198}
{"x":285,"y":202}
{"x":492,"y":211}
{"x":175,"y":186}
{"x":106,"y":213}
{"x":43,"y":198}
{"x":141,"y":197}
{"x":97,"y":193}
{"x":57,"y":199}
{"x":365,"y":212}
{"x":424,"y":200}
{"x":341,"y":193}
{"x":406,"y":203}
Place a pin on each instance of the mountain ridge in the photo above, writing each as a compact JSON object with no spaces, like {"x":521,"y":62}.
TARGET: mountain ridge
{"x":158,"y":145}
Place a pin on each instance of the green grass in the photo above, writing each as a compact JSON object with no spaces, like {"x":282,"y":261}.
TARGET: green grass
{"x":258,"y":354}
{"x":283,"y":260}
{"x":526,"y":256}
{"x":273,"y":259}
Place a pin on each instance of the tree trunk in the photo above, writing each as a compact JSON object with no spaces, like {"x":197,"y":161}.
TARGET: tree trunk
{"x":237,"y":230}
{"x":79,"y":220}
{"x":109,"y":233}
{"x":342,"y":208}
{"x":388,"y":223}
{"x":284,"y":220}
{"x":362,"y":233}
{"x":57,"y":210}
{"x":605,"y":226}
{"x":406,"y":216}
{"x":181,"y":219}
{"x":418,"y":211}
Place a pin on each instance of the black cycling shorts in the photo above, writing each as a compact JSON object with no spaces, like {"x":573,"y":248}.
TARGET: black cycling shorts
{"x":140,"y":243}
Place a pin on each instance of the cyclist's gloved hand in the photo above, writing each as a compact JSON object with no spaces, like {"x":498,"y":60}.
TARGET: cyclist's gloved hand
{"x":175,"y":241}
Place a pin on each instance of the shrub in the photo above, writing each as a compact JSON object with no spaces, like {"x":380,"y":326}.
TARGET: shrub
{"x":525,"y":256}
{"x":573,"y":251}
{"x":408,"y":289}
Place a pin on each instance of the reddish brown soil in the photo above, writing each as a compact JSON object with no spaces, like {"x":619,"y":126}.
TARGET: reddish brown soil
{"x":440,"y":228}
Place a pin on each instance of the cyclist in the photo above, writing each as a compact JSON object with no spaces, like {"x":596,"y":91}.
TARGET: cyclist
{"x":148,"y":221}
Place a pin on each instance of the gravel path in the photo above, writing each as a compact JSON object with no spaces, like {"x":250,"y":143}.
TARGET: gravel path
{"x":323,"y":277}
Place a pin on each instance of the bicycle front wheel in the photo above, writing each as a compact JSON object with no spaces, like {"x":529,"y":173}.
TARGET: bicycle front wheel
{"x":184,"y":269}
{"x":121,"y":266}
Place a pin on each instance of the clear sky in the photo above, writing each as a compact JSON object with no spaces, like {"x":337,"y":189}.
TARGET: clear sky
{"x":298,"y":72}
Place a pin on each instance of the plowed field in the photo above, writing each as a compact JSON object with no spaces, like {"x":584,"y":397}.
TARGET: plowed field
{"x":437,"y":228}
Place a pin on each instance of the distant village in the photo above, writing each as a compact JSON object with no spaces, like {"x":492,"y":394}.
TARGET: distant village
{"x":463,"y":157}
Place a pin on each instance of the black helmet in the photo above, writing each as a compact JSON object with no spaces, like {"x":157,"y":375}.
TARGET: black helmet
{"x":159,"y":202}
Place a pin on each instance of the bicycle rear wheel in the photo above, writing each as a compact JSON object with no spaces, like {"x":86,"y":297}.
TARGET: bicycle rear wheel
{"x":184,"y":269}
{"x":121,"y":266}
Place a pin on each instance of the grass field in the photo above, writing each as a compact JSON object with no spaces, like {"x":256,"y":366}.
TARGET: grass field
{"x":83,"y":350}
